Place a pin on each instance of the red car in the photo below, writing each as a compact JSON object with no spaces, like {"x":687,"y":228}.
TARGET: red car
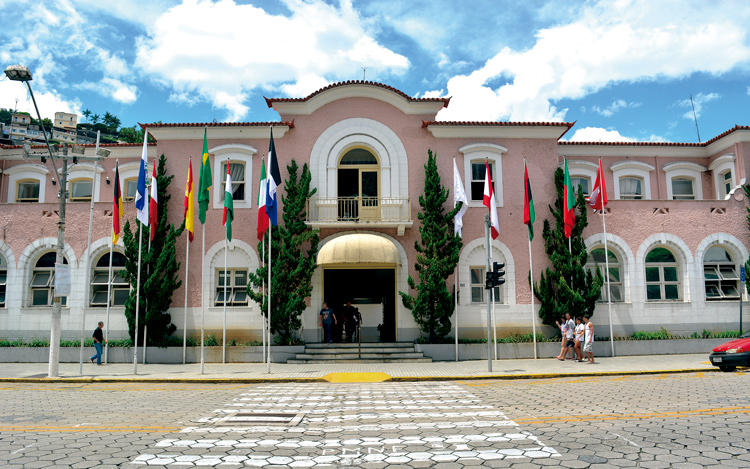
{"x":732,"y":354}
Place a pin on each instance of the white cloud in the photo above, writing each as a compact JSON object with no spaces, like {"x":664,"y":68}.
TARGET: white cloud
{"x":220,"y":51}
{"x":614,"y":107}
{"x":305,"y":85}
{"x":698,"y":101}
{"x":112,"y":88}
{"x":608,"y":42}
{"x":748,"y":90}
{"x":49,"y":101}
{"x":597,"y":134}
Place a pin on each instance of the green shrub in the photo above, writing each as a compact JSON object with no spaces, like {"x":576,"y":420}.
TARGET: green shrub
{"x":211,"y":341}
{"x":192,"y":342}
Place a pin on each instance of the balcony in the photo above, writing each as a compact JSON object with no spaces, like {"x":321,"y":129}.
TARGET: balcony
{"x":359,"y":212}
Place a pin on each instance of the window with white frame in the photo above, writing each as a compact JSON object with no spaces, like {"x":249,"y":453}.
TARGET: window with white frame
{"x":684,"y":180}
{"x":723,"y":175}
{"x":726,"y":184}
{"x":476,"y":155}
{"x":582,"y":173}
{"x":720,"y":274}
{"x":581,"y":184}
{"x":81,"y":190}
{"x":237,"y":172}
{"x":131,"y":187}
{"x":631,"y":188}
{"x":596,"y":261}
{"x":662,"y":275}
{"x":477,"y":287}
{"x":3,"y":280}
{"x":42,"y":284}
{"x":632,"y":180}
{"x":100,"y":280}
{"x":236,"y":287}
{"x":27,"y":190}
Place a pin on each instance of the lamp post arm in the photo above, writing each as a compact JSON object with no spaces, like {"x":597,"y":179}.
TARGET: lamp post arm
{"x":44,"y":132}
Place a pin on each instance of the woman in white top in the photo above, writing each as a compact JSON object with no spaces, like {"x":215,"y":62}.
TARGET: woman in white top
{"x":588,"y":339}
{"x":579,"y":338}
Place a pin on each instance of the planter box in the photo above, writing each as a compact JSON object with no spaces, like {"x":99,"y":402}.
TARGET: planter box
{"x":279,"y":354}
{"x":447,"y":352}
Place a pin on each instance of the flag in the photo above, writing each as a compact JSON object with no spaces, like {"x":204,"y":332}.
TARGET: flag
{"x":489,"y":202}
{"x":228,"y":205}
{"x":528,"y":203}
{"x":459,"y":195}
{"x":140,"y":193}
{"x":569,"y":203}
{"x":205,"y":181}
{"x":273,"y":182}
{"x":153,"y":211}
{"x":189,"y":204}
{"x":262,"y":215}
{"x":598,"y":198}
{"x":116,"y":207}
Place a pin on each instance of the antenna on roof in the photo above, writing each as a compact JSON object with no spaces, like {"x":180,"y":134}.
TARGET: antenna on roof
{"x":695,"y":118}
{"x":364,"y":73}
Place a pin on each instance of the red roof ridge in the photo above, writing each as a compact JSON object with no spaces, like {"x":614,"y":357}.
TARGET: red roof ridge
{"x":270,"y":101}
{"x":499,"y":123}
{"x":662,"y":144}
{"x":290,"y":124}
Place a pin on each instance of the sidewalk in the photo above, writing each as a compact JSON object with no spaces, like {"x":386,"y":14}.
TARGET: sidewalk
{"x":353,"y":372}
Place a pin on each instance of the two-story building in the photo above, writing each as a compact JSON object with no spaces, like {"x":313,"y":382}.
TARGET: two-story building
{"x":676,"y":227}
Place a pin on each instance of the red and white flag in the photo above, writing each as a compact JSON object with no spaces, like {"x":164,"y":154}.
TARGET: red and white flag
{"x":489,"y":201}
{"x":153,"y":212}
{"x":598,"y":197}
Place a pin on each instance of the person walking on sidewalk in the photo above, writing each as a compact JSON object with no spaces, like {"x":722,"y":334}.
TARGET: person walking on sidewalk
{"x":579,"y":338}
{"x":326,"y":319}
{"x":588,"y":337}
{"x":98,"y":343}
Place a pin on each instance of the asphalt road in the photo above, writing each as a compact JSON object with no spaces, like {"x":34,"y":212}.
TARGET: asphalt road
{"x":679,"y":420}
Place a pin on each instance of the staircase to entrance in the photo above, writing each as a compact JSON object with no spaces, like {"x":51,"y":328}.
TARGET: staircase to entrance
{"x":381,"y":352}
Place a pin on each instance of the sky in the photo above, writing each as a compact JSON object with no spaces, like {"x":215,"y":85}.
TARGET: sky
{"x":623,"y":70}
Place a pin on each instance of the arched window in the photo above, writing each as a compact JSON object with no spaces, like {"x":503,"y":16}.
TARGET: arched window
{"x":478,"y":293}
{"x":27,"y":190}
{"x":236,"y":287}
{"x":237,"y":171}
{"x":720,"y":273}
{"x":100,"y":279}
{"x":81,"y":190}
{"x":43,"y":280}
{"x":596,"y":260}
{"x":3,"y":280}
{"x":358,"y":186}
{"x":683,"y":188}
{"x":631,"y":188}
{"x":662,"y":275}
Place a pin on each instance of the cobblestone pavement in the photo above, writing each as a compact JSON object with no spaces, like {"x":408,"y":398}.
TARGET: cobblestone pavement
{"x":679,"y":420}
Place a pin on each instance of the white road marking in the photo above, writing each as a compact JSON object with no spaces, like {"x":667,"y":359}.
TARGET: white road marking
{"x":351,"y":428}
{"x":24,"y":448}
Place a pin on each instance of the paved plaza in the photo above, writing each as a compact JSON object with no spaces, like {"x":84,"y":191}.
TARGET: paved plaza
{"x":689,"y":419}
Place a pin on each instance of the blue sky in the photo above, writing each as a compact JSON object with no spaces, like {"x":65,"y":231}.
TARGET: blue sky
{"x":623,"y":69}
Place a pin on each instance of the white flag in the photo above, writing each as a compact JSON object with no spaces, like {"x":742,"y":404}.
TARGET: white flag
{"x":459,"y":195}
{"x":141,"y":204}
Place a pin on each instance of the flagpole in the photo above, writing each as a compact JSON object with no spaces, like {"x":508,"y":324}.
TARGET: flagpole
{"x":87,"y":285}
{"x":533,"y":309}
{"x":137,"y":300}
{"x":455,"y":306}
{"x":492,"y":296}
{"x":145,"y":325}
{"x":262,"y":290}
{"x":109,"y":293}
{"x":609,"y":291}
{"x":203,"y":299}
{"x":489,"y":250}
{"x":226,"y":280}
{"x":184,"y":323}
{"x":270,"y":264}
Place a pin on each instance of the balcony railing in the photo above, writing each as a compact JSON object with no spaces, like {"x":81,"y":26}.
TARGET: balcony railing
{"x":384,"y":212}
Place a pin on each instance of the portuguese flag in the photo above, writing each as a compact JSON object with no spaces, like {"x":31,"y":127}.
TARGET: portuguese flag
{"x":569,"y":203}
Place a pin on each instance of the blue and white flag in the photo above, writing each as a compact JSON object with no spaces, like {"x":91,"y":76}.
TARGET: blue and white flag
{"x":274,"y":181}
{"x":141,"y":196}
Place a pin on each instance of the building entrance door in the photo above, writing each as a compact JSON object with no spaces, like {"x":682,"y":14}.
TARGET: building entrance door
{"x":372,"y":292}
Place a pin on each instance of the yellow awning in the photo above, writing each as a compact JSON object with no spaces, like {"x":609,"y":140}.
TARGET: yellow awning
{"x":358,"y":249}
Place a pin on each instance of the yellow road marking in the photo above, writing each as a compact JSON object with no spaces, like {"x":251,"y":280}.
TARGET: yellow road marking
{"x":64,"y":429}
{"x":590,"y":379}
{"x":356,"y":377}
{"x":656,"y":415}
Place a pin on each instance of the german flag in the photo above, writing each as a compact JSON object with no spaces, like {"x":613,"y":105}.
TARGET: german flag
{"x":116,"y":207}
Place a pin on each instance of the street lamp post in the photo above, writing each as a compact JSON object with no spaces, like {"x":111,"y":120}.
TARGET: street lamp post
{"x":22,"y":73}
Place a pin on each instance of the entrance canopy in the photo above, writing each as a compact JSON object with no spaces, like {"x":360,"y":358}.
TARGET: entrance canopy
{"x":359,"y":249}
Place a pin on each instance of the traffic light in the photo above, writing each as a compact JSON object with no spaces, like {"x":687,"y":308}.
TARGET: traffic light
{"x":494,"y":278}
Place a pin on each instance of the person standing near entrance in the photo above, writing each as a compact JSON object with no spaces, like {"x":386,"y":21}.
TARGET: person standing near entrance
{"x":98,"y":343}
{"x":326,"y":320}
{"x":351,"y":318}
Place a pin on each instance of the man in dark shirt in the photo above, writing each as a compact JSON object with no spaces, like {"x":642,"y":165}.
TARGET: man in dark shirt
{"x":326,"y":320}
{"x":98,"y":343}
{"x":351,"y":317}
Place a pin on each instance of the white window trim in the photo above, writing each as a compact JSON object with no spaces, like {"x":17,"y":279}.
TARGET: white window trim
{"x":582,"y":169}
{"x":130,"y":171}
{"x":25,"y":171}
{"x":84,"y":171}
{"x":685,"y":169}
{"x":719,"y":166}
{"x":632,"y":169}
{"x":233,"y":152}
{"x":482,"y":151}
{"x":474,"y":254}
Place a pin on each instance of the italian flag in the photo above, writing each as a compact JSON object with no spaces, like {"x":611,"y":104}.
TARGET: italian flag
{"x":262,"y":189}
{"x":228,"y":205}
{"x":569,"y":203}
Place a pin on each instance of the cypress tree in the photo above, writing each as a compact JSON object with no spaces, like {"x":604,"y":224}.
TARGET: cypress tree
{"x":294,"y":248}
{"x":437,"y":257}
{"x":159,"y":269}
{"x":567,"y":287}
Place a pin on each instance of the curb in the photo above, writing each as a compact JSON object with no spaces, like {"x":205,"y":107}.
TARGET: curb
{"x":324,"y":380}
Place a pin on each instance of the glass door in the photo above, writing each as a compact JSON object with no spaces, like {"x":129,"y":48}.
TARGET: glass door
{"x":369,"y":206}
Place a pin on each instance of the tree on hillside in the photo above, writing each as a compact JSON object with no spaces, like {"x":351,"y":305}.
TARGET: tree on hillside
{"x":133,"y":134}
{"x":86,"y":114}
{"x":567,"y":287}
{"x":95,"y":119}
{"x":159,"y":269}
{"x":437,"y":257}
{"x":294,"y":248}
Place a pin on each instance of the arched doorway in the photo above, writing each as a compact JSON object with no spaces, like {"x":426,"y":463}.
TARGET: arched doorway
{"x":361,"y":268}
{"x":358,"y":185}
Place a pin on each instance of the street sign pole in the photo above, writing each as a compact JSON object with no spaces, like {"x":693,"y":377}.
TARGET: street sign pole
{"x":742,"y":288}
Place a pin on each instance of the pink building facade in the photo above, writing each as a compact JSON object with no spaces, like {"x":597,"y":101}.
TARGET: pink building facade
{"x":676,"y":226}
